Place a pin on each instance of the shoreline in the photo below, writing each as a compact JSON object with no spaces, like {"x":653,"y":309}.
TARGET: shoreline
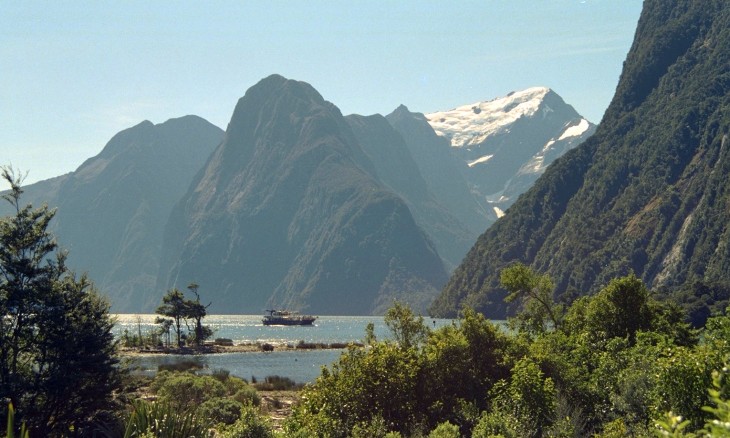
{"x":238,"y":348}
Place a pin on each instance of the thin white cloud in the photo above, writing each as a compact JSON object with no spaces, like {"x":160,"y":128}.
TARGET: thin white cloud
{"x":556,"y":51}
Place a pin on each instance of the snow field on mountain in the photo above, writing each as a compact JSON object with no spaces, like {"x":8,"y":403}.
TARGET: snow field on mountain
{"x":471,"y":124}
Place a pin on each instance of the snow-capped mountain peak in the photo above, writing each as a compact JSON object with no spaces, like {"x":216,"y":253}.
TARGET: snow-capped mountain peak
{"x":472,"y":124}
{"x":505,"y":144}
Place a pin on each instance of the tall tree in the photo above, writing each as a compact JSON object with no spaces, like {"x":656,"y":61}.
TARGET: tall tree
{"x":57,"y":351}
{"x":197,"y":312}
{"x":535,"y":292}
{"x":165,"y":325}
{"x":174,"y":306}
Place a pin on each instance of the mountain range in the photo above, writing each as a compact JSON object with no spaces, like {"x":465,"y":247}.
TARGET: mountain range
{"x":648,"y":193}
{"x":297,"y":206}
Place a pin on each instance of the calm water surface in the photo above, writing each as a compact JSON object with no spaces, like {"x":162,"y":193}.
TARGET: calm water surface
{"x":301,"y":366}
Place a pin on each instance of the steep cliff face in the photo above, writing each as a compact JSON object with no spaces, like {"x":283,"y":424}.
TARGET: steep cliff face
{"x":396,"y":168}
{"x":441,"y":170}
{"x":289,"y":212}
{"x":648,"y":192}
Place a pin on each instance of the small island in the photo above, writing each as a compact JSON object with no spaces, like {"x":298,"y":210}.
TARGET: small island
{"x":184,"y":317}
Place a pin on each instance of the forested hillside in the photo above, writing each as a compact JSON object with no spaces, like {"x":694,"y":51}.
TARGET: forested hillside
{"x":648,"y":193}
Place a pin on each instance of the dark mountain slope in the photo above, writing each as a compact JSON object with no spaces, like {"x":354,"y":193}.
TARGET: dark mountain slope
{"x":648,"y":193}
{"x":395,"y":167}
{"x":112,"y":210}
{"x":45,"y":191}
{"x":289,"y":212}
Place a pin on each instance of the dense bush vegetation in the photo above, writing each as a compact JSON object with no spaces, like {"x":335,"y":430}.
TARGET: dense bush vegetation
{"x":619,"y":363}
{"x":194,"y":405}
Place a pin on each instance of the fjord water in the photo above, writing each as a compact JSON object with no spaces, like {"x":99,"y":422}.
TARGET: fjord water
{"x":300,"y":365}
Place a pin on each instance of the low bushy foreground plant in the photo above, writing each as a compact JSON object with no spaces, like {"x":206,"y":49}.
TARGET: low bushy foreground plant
{"x":194,"y":405}
{"x":186,"y":391}
{"x":160,"y":420}
{"x":250,"y":425}
{"x":220,"y":410}
{"x":247,"y":395}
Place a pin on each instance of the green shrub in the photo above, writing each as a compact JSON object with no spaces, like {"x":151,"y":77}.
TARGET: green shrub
{"x":220,"y":410}
{"x":247,"y":395}
{"x":185,"y":392}
{"x":614,"y":429}
{"x":495,"y":424}
{"x":232,"y":384}
{"x":445,"y":430}
{"x":159,"y":380}
{"x":250,"y":425}
{"x":529,"y":398}
{"x":375,"y":428}
{"x":235,"y":384}
{"x":381,"y":380}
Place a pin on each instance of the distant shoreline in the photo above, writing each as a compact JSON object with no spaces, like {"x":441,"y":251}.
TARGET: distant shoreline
{"x":239,"y":348}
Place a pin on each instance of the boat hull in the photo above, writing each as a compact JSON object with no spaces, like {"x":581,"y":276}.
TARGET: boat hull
{"x":285,"y":317}
{"x":280,"y":321}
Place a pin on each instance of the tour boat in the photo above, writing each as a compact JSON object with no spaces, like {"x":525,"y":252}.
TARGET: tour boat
{"x":286,"y":317}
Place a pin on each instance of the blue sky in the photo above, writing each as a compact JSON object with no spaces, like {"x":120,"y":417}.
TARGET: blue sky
{"x":72,"y":73}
